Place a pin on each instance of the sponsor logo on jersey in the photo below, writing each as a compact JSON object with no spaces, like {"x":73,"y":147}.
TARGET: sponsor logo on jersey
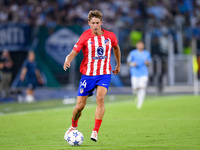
{"x":100,"y":51}
{"x":101,"y":57}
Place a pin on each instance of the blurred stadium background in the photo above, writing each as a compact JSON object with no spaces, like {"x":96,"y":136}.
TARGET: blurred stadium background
{"x":169,"y":28}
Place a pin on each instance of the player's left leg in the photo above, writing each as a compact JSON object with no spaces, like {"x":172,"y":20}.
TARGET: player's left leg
{"x":100,"y":110}
{"x":29,"y":95}
{"x":142,"y":91}
{"x":141,"y":97}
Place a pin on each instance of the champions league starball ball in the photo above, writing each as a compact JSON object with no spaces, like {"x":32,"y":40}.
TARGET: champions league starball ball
{"x":75,"y":138}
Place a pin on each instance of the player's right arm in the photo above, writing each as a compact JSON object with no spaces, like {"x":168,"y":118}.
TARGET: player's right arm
{"x":68,"y":59}
{"x":130,"y":62}
{"x":76,"y":49}
{"x":23,"y":73}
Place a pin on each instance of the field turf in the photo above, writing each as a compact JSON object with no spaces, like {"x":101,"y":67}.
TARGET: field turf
{"x":164,"y":122}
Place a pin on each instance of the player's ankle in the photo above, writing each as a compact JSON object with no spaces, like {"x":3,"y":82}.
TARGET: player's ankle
{"x":74,"y":128}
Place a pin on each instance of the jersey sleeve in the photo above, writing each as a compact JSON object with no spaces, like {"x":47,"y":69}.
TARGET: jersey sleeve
{"x":129,"y":58}
{"x":149,"y":57}
{"x":114,"y":40}
{"x":36,"y":65}
{"x":26,"y":64}
{"x":79,"y":44}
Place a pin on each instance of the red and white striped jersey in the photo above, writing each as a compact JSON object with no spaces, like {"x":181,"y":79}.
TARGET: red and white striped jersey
{"x":96,"y":51}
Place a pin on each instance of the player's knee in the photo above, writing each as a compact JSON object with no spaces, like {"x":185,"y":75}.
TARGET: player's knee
{"x":142,"y":88}
{"x":100,"y":98}
{"x":100,"y":101}
{"x":80,"y":106}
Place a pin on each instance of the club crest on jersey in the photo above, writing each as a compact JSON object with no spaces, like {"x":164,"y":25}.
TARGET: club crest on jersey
{"x":106,"y":41}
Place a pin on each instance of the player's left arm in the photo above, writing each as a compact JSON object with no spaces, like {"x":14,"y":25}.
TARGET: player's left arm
{"x":117,"y":54}
{"x":39,"y":76}
{"x":130,"y":62}
{"x":148,"y":60}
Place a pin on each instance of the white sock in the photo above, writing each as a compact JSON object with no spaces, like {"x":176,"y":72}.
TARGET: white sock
{"x":30,"y":98}
{"x":140,"y":95}
{"x":74,"y":128}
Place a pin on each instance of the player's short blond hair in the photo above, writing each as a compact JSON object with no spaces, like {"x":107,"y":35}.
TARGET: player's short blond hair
{"x":95,"y":13}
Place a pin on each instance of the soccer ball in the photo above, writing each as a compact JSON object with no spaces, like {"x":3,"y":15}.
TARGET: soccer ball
{"x":75,"y":138}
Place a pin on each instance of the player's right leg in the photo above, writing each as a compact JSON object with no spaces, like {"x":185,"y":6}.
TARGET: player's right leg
{"x":135,"y":87}
{"x":80,"y":104}
{"x":134,"y":84}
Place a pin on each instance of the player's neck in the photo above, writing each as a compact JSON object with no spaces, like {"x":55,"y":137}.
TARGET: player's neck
{"x":98,"y":33}
{"x":140,"y":50}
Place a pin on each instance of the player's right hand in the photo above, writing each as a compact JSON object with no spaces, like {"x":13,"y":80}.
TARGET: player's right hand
{"x":21,"y":78}
{"x":133,"y":64}
{"x":66,"y":65}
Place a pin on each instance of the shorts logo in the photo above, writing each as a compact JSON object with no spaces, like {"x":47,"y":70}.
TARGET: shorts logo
{"x":81,"y":90}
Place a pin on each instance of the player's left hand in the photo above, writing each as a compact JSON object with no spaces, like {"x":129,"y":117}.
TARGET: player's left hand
{"x":116,"y":71}
{"x":40,"y":81}
{"x":146,"y":62}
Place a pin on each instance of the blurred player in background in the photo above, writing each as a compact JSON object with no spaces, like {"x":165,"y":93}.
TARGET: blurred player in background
{"x":139,"y":60}
{"x":6,"y":65}
{"x":96,"y":44}
{"x":31,"y":71}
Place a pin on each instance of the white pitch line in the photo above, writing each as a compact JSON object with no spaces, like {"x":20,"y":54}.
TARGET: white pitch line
{"x":57,"y":108}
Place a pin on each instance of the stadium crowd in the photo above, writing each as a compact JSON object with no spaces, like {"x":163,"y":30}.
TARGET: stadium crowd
{"x":116,"y":12}
{"x":160,"y":17}
{"x":127,"y":18}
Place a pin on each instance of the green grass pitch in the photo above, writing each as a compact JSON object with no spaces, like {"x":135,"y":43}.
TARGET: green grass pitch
{"x":164,"y":122}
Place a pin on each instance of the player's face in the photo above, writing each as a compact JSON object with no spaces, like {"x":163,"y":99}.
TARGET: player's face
{"x":5,"y":53}
{"x":140,"y":46}
{"x":95,"y":25}
{"x":31,"y":57}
